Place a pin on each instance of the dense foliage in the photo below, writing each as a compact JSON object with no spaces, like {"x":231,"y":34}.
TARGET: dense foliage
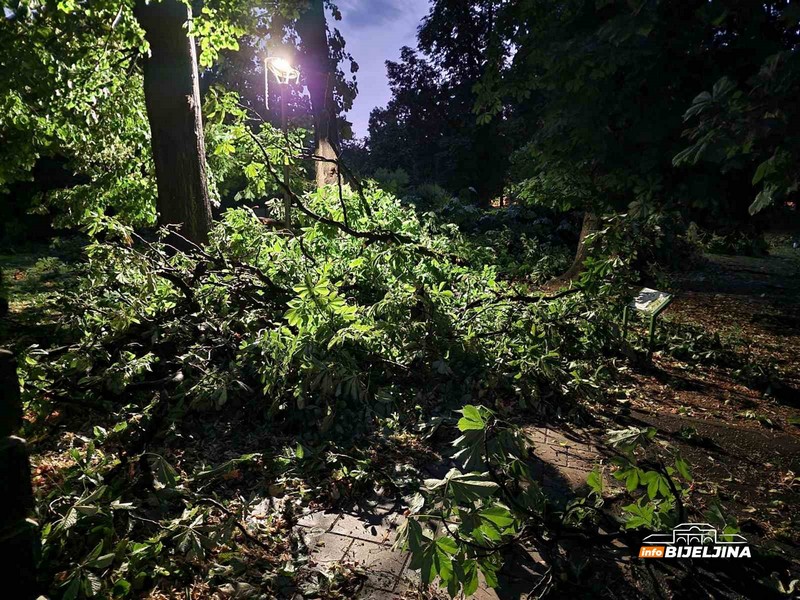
{"x":580,"y":105}
{"x":367,"y":315}
{"x":72,"y":90}
{"x":494,"y":500}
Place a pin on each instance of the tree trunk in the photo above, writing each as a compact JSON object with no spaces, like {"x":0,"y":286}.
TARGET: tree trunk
{"x":591,"y":224}
{"x":3,"y":299}
{"x":319,"y":76}
{"x":172,"y":96}
{"x":19,"y":534}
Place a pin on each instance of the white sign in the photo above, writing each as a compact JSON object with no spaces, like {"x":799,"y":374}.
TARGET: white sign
{"x":649,"y":300}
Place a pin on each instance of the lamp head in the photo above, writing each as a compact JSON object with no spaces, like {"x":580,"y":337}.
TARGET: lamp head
{"x":284,"y":72}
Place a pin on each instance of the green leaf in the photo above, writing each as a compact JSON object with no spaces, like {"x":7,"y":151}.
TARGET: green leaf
{"x":414,"y":538}
{"x":447,"y":545}
{"x":632,"y":481}
{"x":472,"y":419}
{"x":164,"y":474}
{"x":663,"y":487}
{"x":121,"y":588}
{"x":471,"y":487}
{"x":73,"y":586}
{"x":91,"y":585}
{"x":595,"y":482}
{"x":762,"y":201}
{"x":471,"y":446}
{"x":498,"y":515}
{"x":683,"y":468}
{"x":489,"y":571}
{"x":466,"y":571}
{"x":102,"y":562}
{"x":762,"y":170}
{"x":652,"y":487}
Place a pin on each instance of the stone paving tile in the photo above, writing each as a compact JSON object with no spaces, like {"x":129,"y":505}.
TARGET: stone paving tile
{"x":327,"y":548}
{"x":382,"y":565}
{"x":551,"y":455}
{"x":372,"y":527}
{"x":319,"y":520}
{"x":583,"y":459}
{"x":537,"y":436}
{"x":568,"y":480}
{"x":371,"y":593}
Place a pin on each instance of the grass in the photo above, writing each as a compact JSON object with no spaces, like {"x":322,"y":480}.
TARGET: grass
{"x":32,"y":282}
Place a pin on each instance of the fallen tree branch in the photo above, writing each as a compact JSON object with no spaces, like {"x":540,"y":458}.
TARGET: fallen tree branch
{"x":524,"y":299}
{"x":371,"y":236}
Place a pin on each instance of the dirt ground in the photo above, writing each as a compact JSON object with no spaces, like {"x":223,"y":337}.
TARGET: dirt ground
{"x":735,"y":418}
{"x":741,"y":430}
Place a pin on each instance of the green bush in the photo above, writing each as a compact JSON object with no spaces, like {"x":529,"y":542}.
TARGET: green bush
{"x":366,"y":315}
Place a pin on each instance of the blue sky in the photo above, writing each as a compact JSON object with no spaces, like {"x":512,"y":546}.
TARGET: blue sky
{"x":375,"y":30}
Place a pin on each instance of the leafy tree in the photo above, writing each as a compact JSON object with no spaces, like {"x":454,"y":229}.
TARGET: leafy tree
{"x":428,"y":127}
{"x":750,"y":121}
{"x":601,"y":88}
{"x":407,"y":133}
{"x":71,"y":87}
{"x":300,"y":30}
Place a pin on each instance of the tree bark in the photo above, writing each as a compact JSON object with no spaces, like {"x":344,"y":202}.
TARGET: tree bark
{"x":591,"y":224}
{"x":19,"y":535}
{"x":319,"y":76}
{"x":172,"y":97}
{"x":3,"y":300}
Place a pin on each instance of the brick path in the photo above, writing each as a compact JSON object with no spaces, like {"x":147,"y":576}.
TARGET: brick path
{"x":364,"y":536}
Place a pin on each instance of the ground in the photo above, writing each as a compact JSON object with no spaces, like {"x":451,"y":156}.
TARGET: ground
{"x":740,"y":422}
{"x":732,"y":406}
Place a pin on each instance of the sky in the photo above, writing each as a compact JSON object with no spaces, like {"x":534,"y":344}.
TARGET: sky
{"x":374,"y":31}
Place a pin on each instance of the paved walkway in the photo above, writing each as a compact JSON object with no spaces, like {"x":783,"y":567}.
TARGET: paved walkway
{"x":364,"y":536}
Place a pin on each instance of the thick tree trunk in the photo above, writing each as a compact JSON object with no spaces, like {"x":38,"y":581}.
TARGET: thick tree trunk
{"x":19,"y":534}
{"x":591,"y":224}
{"x":319,"y":78}
{"x":172,"y":96}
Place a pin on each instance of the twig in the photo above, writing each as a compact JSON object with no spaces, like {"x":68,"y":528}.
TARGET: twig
{"x":230,"y":514}
{"x":371,"y":236}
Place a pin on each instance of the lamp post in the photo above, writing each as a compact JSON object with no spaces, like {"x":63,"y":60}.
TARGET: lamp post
{"x":284,"y":73}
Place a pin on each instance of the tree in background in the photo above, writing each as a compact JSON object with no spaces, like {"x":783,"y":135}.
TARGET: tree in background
{"x":750,"y":121}
{"x":319,"y":70}
{"x":407,"y":133}
{"x":172,"y":96}
{"x":600,"y":88}
{"x":429,"y":127}
{"x":301,"y":32}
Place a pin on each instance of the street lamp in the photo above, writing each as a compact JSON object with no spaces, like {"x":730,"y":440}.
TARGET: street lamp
{"x":285,"y":74}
